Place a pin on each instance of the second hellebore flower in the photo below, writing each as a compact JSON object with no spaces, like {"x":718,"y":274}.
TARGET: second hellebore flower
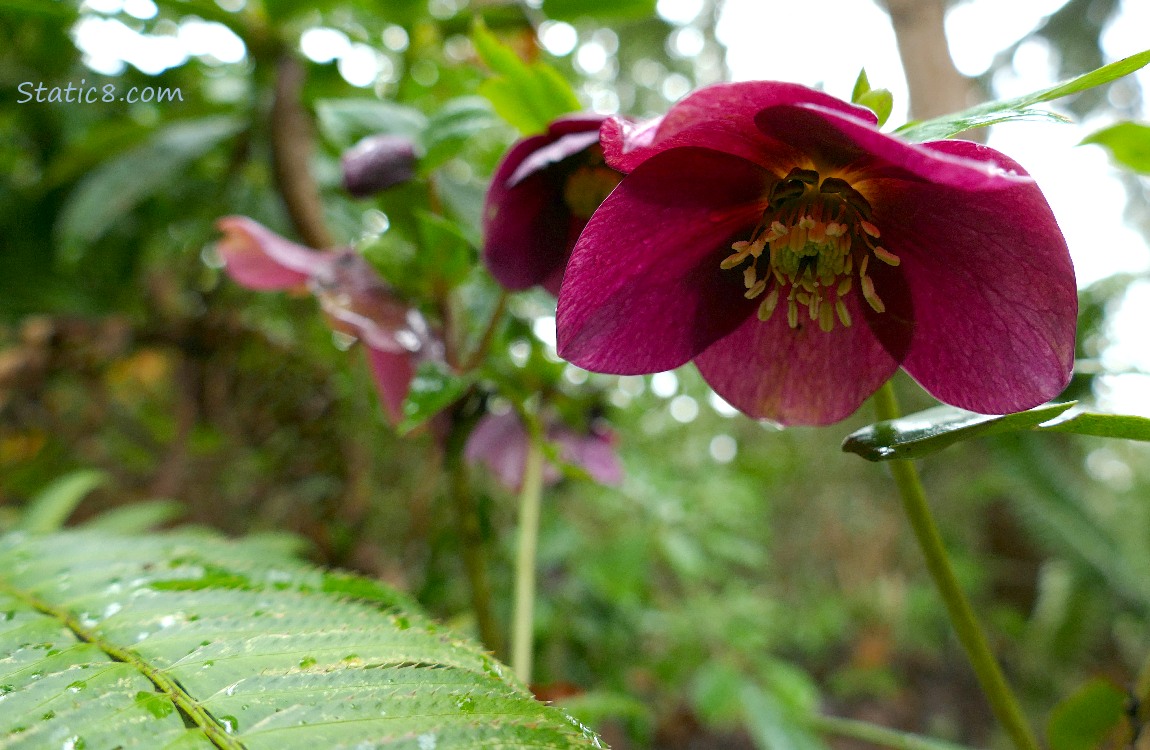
{"x":500,"y":441}
{"x":541,"y":196}
{"x":799,"y":256}
{"x":356,"y":301}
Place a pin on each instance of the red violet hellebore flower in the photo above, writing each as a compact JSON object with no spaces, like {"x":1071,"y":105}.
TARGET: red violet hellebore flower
{"x":376,"y":163}
{"x":500,"y":442}
{"x":799,"y":256}
{"x":541,"y":196}
{"x":350,"y":292}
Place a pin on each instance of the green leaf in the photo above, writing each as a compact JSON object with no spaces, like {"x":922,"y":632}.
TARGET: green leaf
{"x":1021,"y":107}
{"x":529,"y":96}
{"x":432,"y":390}
{"x":449,"y":129}
{"x":48,"y":510}
{"x":1121,"y":426}
{"x":1084,"y":719}
{"x":926,"y":432}
{"x":346,"y":121}
{"x":572,"y":10}
{"x":137,"y":517}
{"x":118,"y":185}
{"x":1128,"y":144}
{"x":447,"y":255}
{"x":187,"y":641}
{"x":879,"y":101}
{"x":771,"y":725}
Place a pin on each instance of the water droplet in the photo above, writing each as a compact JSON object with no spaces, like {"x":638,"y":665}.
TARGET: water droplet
{"x":48,"y":715}
{"x":307,"y":662}
{"x":427,"y":741}
{"x":466,"y":704}
{"x":77,"y":686}
{"x":75,"y":742}
{"x":230,"y":724}
{"x":112,"y":609}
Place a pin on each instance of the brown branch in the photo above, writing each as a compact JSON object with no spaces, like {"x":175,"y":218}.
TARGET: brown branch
{"x":291,"y":137}
{"x":936,"y":86}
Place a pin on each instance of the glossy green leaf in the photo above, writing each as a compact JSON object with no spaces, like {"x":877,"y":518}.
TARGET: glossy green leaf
{"x":188,"y":641}
{"x":1121,"y":426}
{"x":1021,"y":107}
{"x":433,"y":389}
{"x":121,"y":183}
{"x":50,"y":508}
{"x":527,"y":95}
{"x":1085,"y":719}
{"x":572,"y":10}
{"x":926,"y":432}
{"x":1128,"y":144}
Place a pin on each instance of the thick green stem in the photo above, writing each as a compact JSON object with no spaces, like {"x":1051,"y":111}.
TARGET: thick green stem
{"x":990,"y":677}
{"x":523,"y":620}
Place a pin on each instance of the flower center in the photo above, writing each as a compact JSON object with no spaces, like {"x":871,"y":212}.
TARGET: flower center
{"x":589,"y":184}
{"x":814,"y":238}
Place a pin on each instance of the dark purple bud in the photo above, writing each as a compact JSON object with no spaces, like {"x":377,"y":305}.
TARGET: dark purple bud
{"x":377,"y":163}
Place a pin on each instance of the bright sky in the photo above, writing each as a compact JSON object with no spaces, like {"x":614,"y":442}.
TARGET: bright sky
{"x":778,"y":39}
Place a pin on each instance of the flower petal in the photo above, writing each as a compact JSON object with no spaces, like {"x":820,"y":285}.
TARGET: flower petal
{"x":801,"y":376}
{"x":258,"y":258}
{"x":593,"y":452}
{"x":527,"y":231}
{"x":643,"y":291}
{"x":719,"y":117}
{"x":500,"y":442}
{"x":359,"y":303}
{"x":392,"y":373}
{"x":995,"y":303}
{"x":836,"y":139}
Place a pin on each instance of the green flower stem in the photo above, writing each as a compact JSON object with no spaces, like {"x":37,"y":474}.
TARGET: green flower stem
{"x":990,"y":677}
{"x":876,"y":735}
{"x":523,"y":620}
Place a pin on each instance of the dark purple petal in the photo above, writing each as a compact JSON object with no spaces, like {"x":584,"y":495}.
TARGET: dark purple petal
{"x":377,"y":163}
{"x":643,"y":291}
{"x":392,"y":373}
{"x":836,"y":139}
{"x":528,"y":227}
{"x":258,"y":258}
{"x":719,"y":117}
{"x":995,"y":303}
{"x":801,"y":376}
{"x":527,"y":232}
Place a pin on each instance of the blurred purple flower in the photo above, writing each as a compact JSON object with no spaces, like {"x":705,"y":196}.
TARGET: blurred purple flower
{"x":500,"y":442}
{"x":354,"y":298}
{"x":799,"y":256}
{"x":541,"y":196}
{"x":376,"y":163}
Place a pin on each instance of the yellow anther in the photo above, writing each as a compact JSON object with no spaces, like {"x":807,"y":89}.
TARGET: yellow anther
{"x":827,"y":318}
{"x":869,"y":228}
{"x":835,"y":229}
{"x":749,"y":276}
{"x":843,"y":313}
{"x":886,"y":256}
{"x":844,"y":286}
{"x":778,"y":231}
{"x":792,"y":314}
{"x":871,"y":296}
{"x":768,"y":305}
{"x":759,"y":287}
{"x":863,"y":265}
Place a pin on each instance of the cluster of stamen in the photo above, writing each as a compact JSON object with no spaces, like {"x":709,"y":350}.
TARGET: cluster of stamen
{"x":813,"y":239}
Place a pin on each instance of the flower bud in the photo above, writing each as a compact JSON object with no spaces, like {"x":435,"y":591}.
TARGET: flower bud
{"x":377,"y":163}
